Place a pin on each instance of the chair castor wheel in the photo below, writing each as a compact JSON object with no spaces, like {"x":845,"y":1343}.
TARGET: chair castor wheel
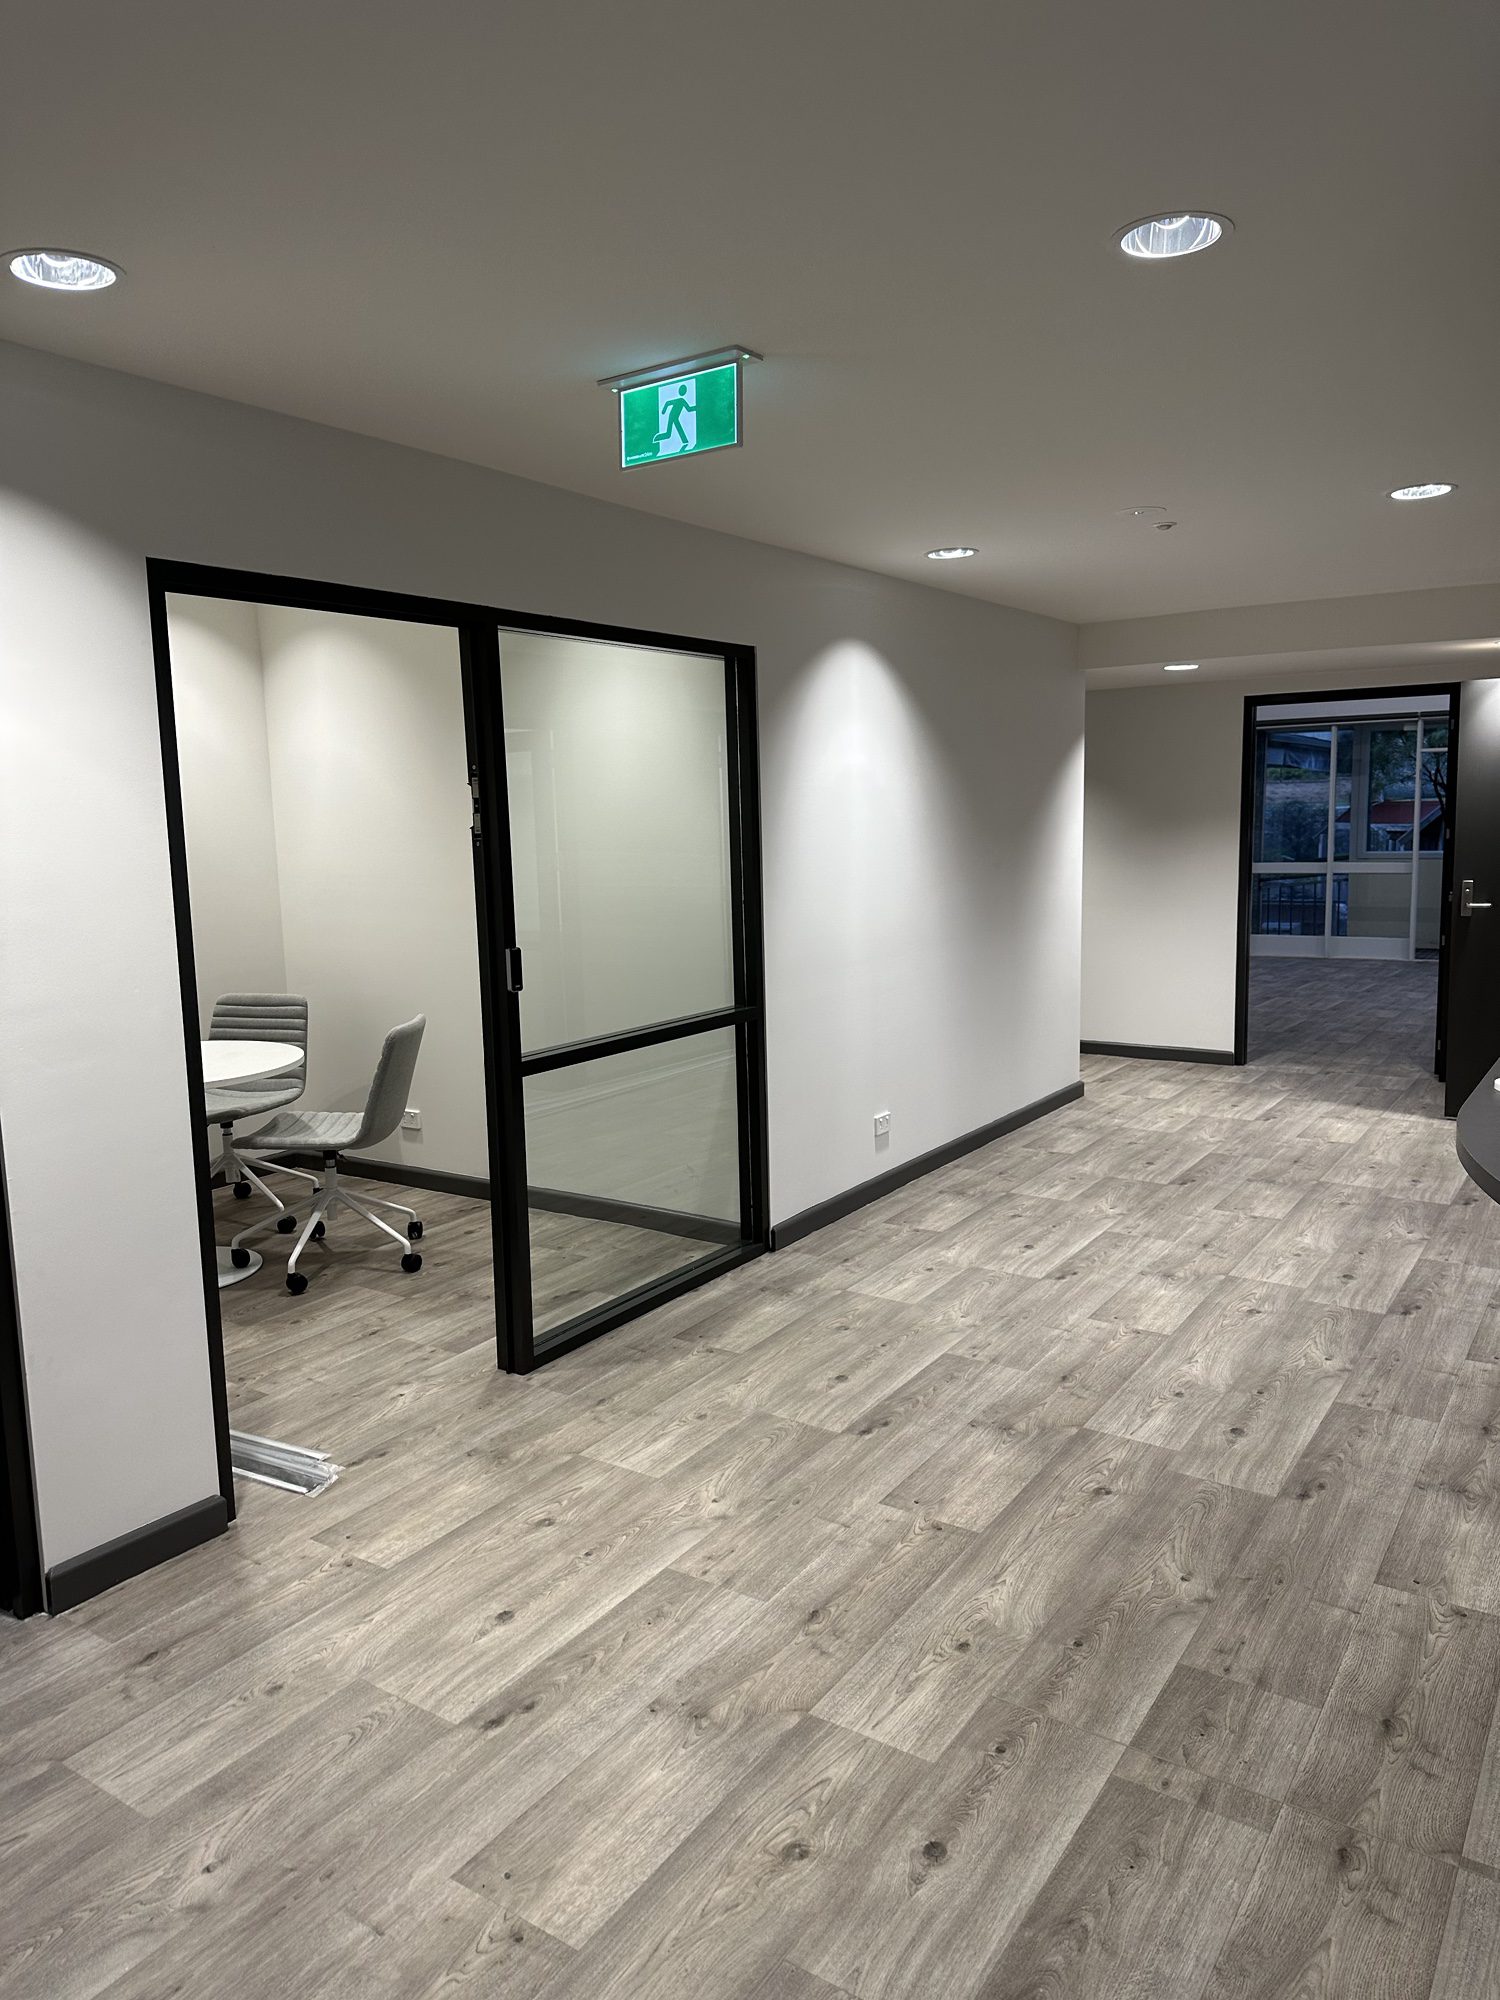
{"x":319,"y":1232}
{"x":414,"y":1230}
{"x":411,"y":1261}
{"x":296,"y":1284}
{"x":242,"y":1190}
{"x":286,"y":1224}
{"x":239,"y":1256}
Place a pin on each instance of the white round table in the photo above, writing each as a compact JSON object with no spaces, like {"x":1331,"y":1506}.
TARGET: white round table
{"x":242,"y":1062}
{"x":226,"y":1063}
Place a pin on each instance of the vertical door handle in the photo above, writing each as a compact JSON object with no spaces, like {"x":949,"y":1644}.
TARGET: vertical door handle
{"x":1466,"y":903}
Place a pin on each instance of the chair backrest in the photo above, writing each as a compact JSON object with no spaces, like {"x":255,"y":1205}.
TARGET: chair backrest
{"x":391,"y":1085}
{"x":259,"y":1017}
{"x":263,"y":1019}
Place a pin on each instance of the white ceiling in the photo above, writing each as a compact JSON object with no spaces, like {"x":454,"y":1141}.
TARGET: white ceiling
{"x":1454,"y":659}
{"x":440,"y":223}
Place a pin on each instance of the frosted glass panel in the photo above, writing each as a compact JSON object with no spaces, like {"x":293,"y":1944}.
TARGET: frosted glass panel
{"x":619,"y":815}
{"x":633,"y":1169}
{"x":657,"y":1127}
{"x":1380,"y":904}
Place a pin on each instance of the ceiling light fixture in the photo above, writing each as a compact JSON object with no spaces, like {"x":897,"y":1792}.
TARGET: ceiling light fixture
{"x":62,"y":270}
{"x":1157,"y":237}
{"x":950,"y":555}
{"x":1434,"y":489}
{"x":1180,"y":667}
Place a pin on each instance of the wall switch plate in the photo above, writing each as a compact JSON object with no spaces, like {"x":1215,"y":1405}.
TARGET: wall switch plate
{"x":882,"y":1123}
{"x":411,"y":1120}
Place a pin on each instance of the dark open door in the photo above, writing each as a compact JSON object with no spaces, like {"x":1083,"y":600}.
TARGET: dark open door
{"x":1470,"y":1022}
{"x":20,"y":1556}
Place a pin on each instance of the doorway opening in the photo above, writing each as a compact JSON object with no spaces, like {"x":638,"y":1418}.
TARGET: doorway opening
{"x":468,"y":912}
{"x":1347,"y":817}
{"x":21,"y":1585}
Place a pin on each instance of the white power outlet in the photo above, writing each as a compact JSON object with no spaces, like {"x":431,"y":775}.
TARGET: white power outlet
{"x":411,"y":1119}
{"x":882,"y":1123}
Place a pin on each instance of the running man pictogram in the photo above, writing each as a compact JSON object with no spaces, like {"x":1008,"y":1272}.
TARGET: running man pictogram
{"x":672,"y":407}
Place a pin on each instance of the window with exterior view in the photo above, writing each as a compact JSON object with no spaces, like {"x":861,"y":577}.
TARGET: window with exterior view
{"x":1347,"y":836}
{"x":1291,"y":794}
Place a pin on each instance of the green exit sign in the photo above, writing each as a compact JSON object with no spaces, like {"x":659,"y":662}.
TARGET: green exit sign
{"x":680,"y":409}
{"x":680,"y":417}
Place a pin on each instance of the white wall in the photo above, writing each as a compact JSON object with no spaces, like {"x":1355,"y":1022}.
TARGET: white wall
{"x":1161,"y":853}
{"x":326,"y":810}
{"x":921,"y":782}
{"x":91,"y":1042}
{"x":1160,"y":865}
{"x":369,"y":771}
{"x":218,"y":692}
{"x":616,"y":763}
{"x":616,"y":760}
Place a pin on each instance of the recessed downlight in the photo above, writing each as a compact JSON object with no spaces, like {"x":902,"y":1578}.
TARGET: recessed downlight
{"x":62,"y":270}
{"x":1432,"y":489}
{"x":1158,"y":237}
{"x":955,"y":554}
{"x":1180,"y":667}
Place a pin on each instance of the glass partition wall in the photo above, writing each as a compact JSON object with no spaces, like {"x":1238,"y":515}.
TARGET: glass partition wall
{"x":615,"y":877}
{"x":636,"y":1018}
{"x":1348,"y":832}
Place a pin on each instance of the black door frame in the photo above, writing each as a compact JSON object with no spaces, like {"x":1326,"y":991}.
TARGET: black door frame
{"x":479,"y":628}
{"x":22,"y":1554}
{"x":1247,"y":840}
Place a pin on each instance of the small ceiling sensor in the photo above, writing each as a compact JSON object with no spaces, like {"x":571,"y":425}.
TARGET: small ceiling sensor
{"x":1434,"y":489}
{"x":1140,"y":513}
{"x":950,"y":555}
{"x":1158,"y":237}
{"x":1162,"y":526}
{"x":62,"y":270}
{"x":1180,"y":667}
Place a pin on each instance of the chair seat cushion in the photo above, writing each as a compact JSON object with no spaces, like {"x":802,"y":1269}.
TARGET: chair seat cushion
{"x":223,"y":1107}
{"x":310,"y":1132}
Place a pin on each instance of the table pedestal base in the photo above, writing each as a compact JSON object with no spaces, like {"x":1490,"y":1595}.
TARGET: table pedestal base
{"x":229,"y":1274}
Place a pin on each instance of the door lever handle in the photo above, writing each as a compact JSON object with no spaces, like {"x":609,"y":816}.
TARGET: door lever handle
{"x":1466,"y":903}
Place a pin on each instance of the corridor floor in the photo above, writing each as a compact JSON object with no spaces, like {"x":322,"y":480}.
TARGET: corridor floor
{"x":1078,"y":1575}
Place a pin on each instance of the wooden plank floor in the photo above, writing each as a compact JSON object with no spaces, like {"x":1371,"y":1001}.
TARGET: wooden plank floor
{"x":1076,"y":1576}
{"x":308,"y":1370}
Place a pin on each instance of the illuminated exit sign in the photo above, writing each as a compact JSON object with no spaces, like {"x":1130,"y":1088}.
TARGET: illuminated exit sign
{"x":680,"y":409}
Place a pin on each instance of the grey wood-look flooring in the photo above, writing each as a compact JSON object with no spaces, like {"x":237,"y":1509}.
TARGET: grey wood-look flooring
{"x":312,"y":1370}
{"x":1078,"y":1575}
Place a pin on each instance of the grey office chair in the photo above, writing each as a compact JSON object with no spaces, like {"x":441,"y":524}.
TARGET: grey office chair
{"x":257,"y":1017}
{"x":335,"y":1133}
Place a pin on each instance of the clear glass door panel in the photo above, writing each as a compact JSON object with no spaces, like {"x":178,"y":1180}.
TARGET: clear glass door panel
{"x":617,"y":773}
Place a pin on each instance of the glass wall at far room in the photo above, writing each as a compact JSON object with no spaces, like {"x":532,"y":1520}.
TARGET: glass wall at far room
{"x":1348,"y":836}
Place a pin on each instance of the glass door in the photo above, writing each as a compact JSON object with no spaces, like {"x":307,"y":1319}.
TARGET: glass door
{"x":1347,"y":855}
{"x":635,"y":970}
